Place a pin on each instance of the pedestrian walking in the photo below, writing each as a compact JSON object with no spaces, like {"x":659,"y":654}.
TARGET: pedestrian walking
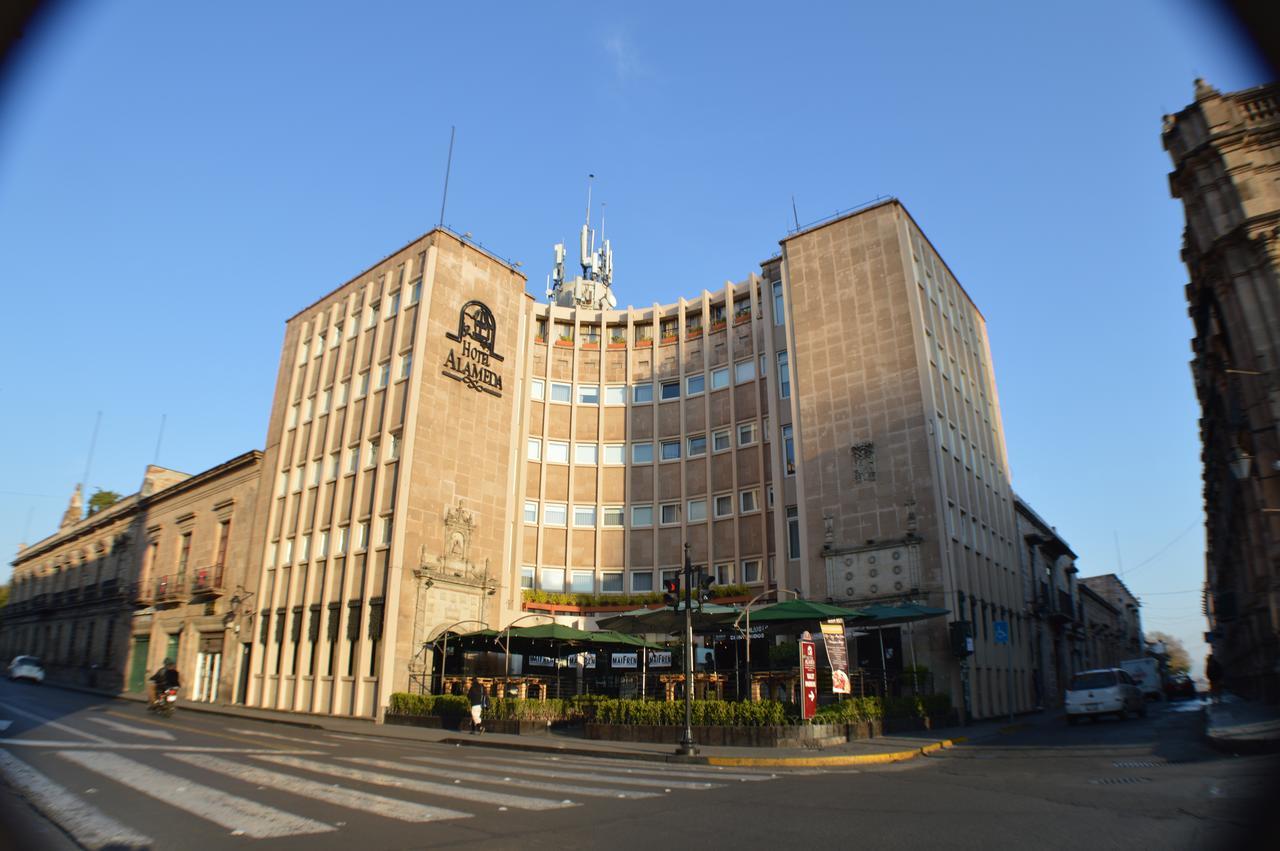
{"x":1213,"y":670}
{"x":477,"y":698}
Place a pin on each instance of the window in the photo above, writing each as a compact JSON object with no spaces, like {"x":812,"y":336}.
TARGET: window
{"x":670,"y":450}
{"x":642,"y":453}
{"x":526,"y":578}
{"x":322,"y":545}
{"x":393,"y":451}
{"x":344,"y":390}
{"x":340,"y":545}
{"x":614,"y":515}
{"x":293,"y":416}
{"x":778,"y":314}
{"x":530,"y":511}
{"x":353,"y":459}
{"x":748,"y":500}
{"x":695,"y":384}
{"x":406,"y":364}
{"x":764,"y":365}
{"x":697,"y":445}
{"x":552,"y":579}
{"x":584,"y":515}
{"x":616,"y":395}
{"x":302,"y":351}
{"x":641,"y":516}
{"x":415,"y":292}
{"x":793,"y":532}
{"x":583,"y":582}
{"x":325,"y":398}
{"x":615,"y":453}
{"x":362,"y":535}
{"x":315,"y":474}
{"x":724,"y":505}
{"x":297,"y":479}
{"x":386,"y":531}
{"x":555,"y":513}
{"x":697,"y":510}
{"x":671,"y":390}
{"x":768,"y":495}
{"x":372,"y":315}
{"x":641,"y":393}
{"x":384,"y":374}
{"x":588,"y":394}
{"x":537,"y":389}
{"x":561,"y":392}
{"x":611,"y":583}
{"x":557,"y":452}
{"x":535,"y":449}
{"x":670,"y":513}
{"x":719,"y":377}
{"x":743,"y":371}
{"x":286,"y":552}
{"x":393,"y":304}
{"x":724,"y":574}
{"x":784,"y":376}
{"x":642,"y":582}
{"x":788,"y":450}
{"x":586,"y":453}
{"x":720,"y":440}
{"x":746,"y":434}
{"x":363,"y":383}
{"x":751,"y":571}
{"x":371,"y":453}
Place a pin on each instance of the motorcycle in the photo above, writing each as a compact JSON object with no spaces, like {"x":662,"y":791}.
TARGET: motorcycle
{"x":164,"y":703}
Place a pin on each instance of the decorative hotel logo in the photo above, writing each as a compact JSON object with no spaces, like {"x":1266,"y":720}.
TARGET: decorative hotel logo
{"x":473,"y":364}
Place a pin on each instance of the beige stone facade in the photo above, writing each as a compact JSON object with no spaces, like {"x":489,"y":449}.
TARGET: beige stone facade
{"x":1226,"y":156}
{"x":105,"y":599}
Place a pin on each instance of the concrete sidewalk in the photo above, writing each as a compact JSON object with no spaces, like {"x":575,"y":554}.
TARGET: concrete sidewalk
{"x":1241,"y":726}
{"x":880,"y":750}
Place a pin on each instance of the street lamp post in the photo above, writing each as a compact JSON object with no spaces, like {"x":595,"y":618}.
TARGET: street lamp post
{"x":687,"y":746}
{"x":746,"y":634}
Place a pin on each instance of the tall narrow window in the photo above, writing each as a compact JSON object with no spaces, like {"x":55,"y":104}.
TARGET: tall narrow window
{"x":793,"y":532}
{"x":778,"y":314}
{"x":184,"y":554}
{"x":784,"y":376}
{"x":224,"y":538}
{"x":788,"y":450}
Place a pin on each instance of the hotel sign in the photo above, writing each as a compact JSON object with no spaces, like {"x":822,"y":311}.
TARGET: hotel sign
{"x":473,"y":361}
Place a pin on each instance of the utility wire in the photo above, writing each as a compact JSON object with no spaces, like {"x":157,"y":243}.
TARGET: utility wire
{"x":1165,"y":548}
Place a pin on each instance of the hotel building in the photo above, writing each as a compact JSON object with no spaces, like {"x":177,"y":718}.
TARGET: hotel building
{"x":441,"y":443}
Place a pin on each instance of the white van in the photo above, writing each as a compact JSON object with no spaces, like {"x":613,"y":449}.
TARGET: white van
{"x":1146,"y":673}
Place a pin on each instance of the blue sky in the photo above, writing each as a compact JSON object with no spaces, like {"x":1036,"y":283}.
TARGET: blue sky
{"x":175,"y":182}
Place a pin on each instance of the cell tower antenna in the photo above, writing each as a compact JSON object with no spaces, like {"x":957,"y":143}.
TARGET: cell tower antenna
{"x":448,"y":167}
{"x":795,"y":217}
{"x":93,"y":442}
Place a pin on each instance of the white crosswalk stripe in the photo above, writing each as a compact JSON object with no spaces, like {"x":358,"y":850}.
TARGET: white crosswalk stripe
{"x":453,"y":773}
{"x":239,"y":815}
{"x":87,"y":825}
{"x":135,"y":731}
{"x":310,"y":742}
{"x":620,"y":779}
{"x":444,"y":789}
{"x":638,"y":766}
{"x":49,"y":722}
{"x":349,"y":798}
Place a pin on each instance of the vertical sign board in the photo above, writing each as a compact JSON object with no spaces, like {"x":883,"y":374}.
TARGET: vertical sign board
{"x":1001,"y":630}
{"x":808,"y":678}
{"x":837,"y":655}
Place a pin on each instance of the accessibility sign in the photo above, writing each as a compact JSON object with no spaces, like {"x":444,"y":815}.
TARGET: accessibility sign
{"x":1001,"y":629}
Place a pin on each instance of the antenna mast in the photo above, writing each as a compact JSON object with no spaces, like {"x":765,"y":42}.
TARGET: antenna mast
{"x":448,"y":166}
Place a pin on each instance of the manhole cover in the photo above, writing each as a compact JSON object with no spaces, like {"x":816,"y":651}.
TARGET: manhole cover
{"x":1136,"y":763}
{"x":1116,"y":781}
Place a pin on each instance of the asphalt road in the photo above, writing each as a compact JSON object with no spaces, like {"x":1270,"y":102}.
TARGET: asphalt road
{"x":109,"y":775}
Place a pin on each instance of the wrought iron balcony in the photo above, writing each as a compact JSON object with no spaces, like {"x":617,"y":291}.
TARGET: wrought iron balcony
{"x":169,"y":588}
{"x":141,"y":593}
{"x":207,"y":580}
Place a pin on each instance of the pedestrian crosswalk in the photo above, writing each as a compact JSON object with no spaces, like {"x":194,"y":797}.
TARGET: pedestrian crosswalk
{"x":265,"y":794}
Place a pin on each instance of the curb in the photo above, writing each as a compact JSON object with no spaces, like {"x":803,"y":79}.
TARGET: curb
{"x":192,"y":706}
{"x":827,"y":761}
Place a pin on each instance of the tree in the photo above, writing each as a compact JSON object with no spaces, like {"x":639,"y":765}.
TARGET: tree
{"x":1176,"y":657}
{"x":102,"y":499}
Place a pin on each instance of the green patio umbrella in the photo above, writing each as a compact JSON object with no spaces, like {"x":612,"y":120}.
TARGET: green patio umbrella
{"x":878,"y":617}
{"x":802,"y":610}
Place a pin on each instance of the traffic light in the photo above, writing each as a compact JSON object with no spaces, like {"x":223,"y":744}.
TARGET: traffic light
{"x":704,"y":588}
{"x":671,"y":593}
{"x":961,"y":639}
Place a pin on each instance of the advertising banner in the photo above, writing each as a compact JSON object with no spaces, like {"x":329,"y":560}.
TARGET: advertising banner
{"x":659,"y":658}
{"x":808,"y":678}
{"x":542,"y":661}
{"x":837,"y":655}
{"x":625,"y":660}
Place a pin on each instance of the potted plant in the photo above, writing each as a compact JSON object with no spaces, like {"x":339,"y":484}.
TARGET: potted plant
{"x":717,"y":325}
{"x":617,"y":341}
{"x":565,"y":340}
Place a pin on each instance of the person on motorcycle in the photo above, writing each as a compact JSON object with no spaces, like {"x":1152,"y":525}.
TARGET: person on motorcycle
{"x":163,"y":679}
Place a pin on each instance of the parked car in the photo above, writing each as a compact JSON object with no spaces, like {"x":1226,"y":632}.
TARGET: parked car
{"x":26,"y":668}
{"x":1178,"y":686}
{"x":1104,"y":691}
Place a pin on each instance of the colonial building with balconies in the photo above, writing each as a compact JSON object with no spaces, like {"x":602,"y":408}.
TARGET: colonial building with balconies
{"x":107,"y":597}
{"x":1048,"y":570}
